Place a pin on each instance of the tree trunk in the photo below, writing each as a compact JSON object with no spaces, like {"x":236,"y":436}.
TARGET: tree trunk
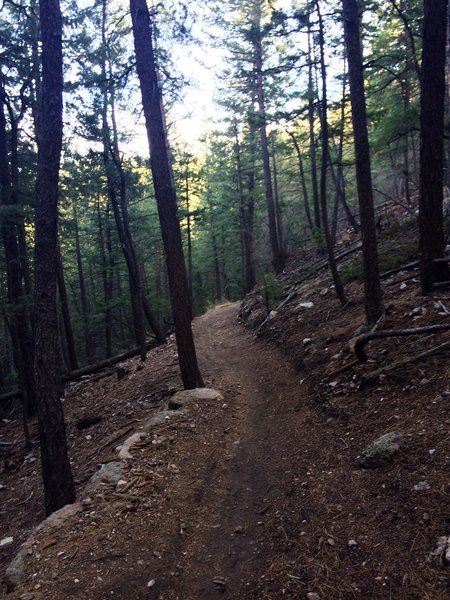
{"x":164,"y":192}
{"x":340,"y":293}
{"x":89,"y":346}
{"x":56,"y":469}
{"x":372,"y":288}
{"x":246,"y":218}
{"x":302,"y":180}
{"x":64,"y":303}
{"x":278,"y":260}
{"x":312,"y":139}
{"x":18,"y":323}
{"x":431,"y":146}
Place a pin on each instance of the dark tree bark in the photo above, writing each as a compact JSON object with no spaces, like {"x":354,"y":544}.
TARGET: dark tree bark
{"x":246,"y":218}
{"x":276,"y":196}
{"x":85,"y":311}
{"x":278,"y":260}
{"x":312,"y":139}
{"x":64,"y":303}
{"x":340,"y":293}
{"x":372,"y":288}
{"x":56,"y":470}
{"x":106,"y":277}
{"x":164,"y":192}
{"x":432,"y":102}
{"x":302,"y":180}
{"x":18,"y":315}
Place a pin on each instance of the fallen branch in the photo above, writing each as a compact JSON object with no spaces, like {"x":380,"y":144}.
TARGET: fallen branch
{"x":342,"y":369}
{"x":406,"y":267}
{"x":364,"y":339}
{"x":405,"y":361}
{"x":91,"y":369}
{"x":105,"y":364}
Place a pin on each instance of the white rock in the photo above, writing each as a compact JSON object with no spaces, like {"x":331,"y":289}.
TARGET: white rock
{"x":125,"y":454}
{"x":422,"y":486}
{"x":312,"y":596}
{"x":7,"y":541}
{"x":307,"y":341}
{"x":151,"y":583}
{"x":305,"y":305}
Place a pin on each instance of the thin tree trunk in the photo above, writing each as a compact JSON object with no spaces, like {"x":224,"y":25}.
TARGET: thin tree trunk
{"x":278,"y":260}
{"x":249,"y":278}
{"x":56,"y":469}
{"x":19,"y":327}
{"x":340,"y":293}
{"x":106,"y":283}
{"x":302,"y":180}
{"x":312,"y":139}
{"x":64,"y":303}
{"x":372,"y":288}
{"x":276,"y":197}
{"x":89,"y":346}
{"x":164,"y":192}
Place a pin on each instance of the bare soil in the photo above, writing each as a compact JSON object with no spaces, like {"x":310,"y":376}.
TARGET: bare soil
{"x":260,"y":495}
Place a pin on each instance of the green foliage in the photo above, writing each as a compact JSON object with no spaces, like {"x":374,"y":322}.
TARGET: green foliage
{"x":271,"y":290}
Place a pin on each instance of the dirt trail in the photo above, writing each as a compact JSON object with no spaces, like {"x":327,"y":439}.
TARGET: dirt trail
{"x":195,"y":525}
{"x":243,"y":480}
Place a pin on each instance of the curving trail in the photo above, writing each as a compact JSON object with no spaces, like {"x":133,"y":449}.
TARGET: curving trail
{"x":237,"y":488}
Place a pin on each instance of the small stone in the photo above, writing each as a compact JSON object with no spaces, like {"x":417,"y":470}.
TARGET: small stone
{"x":312,"y":596}
{"x":151,"y":583}
{"x":220,"y":581}
{"x":27,"y":596}
{"x":422,"y":486}
{"x":307,"y":341}
{"x":352,"y":543}
{"x":382,"y":451}
{"x":305,"y":305}
{"x":239,"y":529}
{"x":331,"y":542}
{"x":403,"y":286}
{"x":76,"y":580}
{"x":7,"y":541}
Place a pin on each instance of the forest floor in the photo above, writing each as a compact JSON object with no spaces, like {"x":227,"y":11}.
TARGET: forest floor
{"x":258,"y":495}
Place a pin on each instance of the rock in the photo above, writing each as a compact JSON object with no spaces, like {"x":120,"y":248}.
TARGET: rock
{"x":422,"y":486}
{"x":352,"y":543}
{"x":159,"y":418}
{"x":442,"y":551}
{"x":151,"y":583}
{"x":16,"y":572}
{"x":180,"y":399}
{"x":89,"y":421}
{"x":7,"y":541}
{"x":256,"y":317}
{"x":27,"y":596}
{"x":381,"y":452}
{"x":312,"y":596}
{"x":125,"y":453}
{"x":305,"y":305}
{"x":307,"y":341}
{"x":109,"y":473}
{"x":220,"y":581}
